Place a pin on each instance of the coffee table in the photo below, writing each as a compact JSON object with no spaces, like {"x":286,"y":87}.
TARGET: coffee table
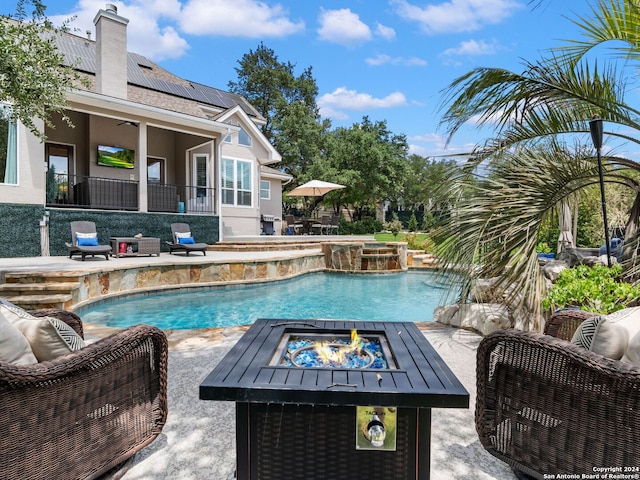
{"x":144,"y":246}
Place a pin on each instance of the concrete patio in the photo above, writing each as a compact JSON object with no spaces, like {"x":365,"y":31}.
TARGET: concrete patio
{"x":198,"y":441}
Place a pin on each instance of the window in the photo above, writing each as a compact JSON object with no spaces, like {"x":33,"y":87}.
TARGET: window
{"x":155,"y":170}
{"x":8,"y":147}
{"x":243,"y":137}
{"x":236,"y":182}
{"x":200,"y":174}
{"x":265,"y":189}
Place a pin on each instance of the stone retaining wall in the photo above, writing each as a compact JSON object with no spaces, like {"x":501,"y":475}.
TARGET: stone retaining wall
{"x":104,"y":284}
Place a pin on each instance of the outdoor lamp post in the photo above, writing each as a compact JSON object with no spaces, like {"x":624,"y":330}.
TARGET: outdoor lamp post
{"x":595,"y":125}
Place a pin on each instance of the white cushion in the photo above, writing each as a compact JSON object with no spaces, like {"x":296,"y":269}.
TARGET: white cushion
{"x":609,"y":335}
{"x":86,"y":235}
{"x":183,"y":234}
{"x":632,"y":353}
{"x":49,"y":337}
{"x":14,"y":347}
{"x":599,"y":335}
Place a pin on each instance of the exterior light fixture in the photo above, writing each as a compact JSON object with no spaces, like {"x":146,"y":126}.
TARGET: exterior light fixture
{"x":595,"y":125}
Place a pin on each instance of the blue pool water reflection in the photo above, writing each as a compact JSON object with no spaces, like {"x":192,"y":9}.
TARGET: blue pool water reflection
{"x":409,"y":296}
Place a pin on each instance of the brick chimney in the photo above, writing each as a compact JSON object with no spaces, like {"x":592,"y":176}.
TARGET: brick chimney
{"x":111,"y":52}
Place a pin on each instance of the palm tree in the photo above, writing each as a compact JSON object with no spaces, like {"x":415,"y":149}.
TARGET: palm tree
{"x":528,"y":167}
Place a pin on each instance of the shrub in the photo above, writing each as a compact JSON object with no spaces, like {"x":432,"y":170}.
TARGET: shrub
{"x":394,"y":226}
{"x":365,"y":226}
{"x":415,"y":242}
{"x":412,"y":226}
{"x":594,"y":289}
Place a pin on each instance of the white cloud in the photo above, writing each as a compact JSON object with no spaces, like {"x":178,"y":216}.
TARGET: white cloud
{"x":457,"y":15}
{"x":474,"y":48}
{"x":343,"y":27}
{"x":435,"y":145}
{"x":386,"y":59}
{"x":149,"y":37}
{"x":240,"y":18}
{"x":156,"y":26}
{"x":387,"y":33}
{"x":335,"y":103}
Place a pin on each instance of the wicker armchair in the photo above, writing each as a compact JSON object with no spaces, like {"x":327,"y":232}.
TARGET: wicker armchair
{"x":546,"y":406}
{"x":84,"y":414}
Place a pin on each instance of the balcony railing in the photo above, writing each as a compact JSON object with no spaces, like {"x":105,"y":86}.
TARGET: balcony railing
{"x":79,"y":191}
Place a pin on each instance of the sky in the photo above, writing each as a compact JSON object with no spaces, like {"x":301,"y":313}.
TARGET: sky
{"x":390,"y":60}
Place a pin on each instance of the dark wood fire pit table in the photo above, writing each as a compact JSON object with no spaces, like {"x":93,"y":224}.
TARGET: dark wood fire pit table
{"x":328,"y":422}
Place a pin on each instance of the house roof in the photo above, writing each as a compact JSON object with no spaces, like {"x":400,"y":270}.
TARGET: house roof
{"x":269,"y":172}
{"x":143,"y":74}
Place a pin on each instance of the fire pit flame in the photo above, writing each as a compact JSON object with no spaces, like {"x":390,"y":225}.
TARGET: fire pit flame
{"x":335,"y":353}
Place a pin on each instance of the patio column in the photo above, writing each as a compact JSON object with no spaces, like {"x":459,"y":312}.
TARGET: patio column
{"x":141,"y":166}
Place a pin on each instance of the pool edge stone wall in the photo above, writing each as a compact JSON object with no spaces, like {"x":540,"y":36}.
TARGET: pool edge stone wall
{"x":107,"y":284}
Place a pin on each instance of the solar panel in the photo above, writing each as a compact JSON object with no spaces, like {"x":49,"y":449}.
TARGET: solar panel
{"x":81,"y":53}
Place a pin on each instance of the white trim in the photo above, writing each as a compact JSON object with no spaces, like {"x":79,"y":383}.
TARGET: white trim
{"x":254,"y":131}
{"x":118,"y":108}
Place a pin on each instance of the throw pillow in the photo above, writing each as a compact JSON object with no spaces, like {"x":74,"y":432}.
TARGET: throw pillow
{"x":601,"y":336}
{"x":14,"y":347}
{"x":628,"y":319}
{"x":632,"y":353}
{"x":49,"y":337}
{"x":186,"y":240}
{"x":86,"y":235}
{"x":183,"y":234}
{"x":87,"y":242}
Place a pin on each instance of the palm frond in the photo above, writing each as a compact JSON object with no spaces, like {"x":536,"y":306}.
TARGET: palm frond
{"x":610,"y":21}
{"x":493,"y":232}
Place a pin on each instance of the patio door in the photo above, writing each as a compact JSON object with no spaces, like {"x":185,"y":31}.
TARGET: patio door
{"x":59,"y":172}
{"x":201,"y":197}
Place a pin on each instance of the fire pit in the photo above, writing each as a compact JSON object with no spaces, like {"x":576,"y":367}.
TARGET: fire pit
{"x":360,"y":409}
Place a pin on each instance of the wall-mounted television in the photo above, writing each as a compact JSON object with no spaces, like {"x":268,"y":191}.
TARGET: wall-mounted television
{"x":116,"y":157}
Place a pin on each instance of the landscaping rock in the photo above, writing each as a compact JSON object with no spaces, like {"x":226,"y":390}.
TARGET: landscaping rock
{"x":482,"y":317}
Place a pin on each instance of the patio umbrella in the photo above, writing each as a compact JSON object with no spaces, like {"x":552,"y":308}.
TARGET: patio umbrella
{"x":565,"y":240}
{"x":314,"y":188}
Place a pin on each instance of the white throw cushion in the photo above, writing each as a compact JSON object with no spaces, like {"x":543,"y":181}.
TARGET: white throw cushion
{"x":183,"y":234}
{"x":599,"y":335}
{"x":14,"y":347}
{"x":632,"y":353}
{"x":609,"y":335}
{"x":86,"y":235}
{"x":49,"y":337}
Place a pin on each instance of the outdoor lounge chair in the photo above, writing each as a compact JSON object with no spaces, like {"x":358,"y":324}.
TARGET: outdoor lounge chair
{"x":87,"y":412}
{"x":545,"y":405}
{"x":183,"y":240}
{"x":84,"y":241}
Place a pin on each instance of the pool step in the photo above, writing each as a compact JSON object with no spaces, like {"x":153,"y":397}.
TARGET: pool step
{"x":32,"y":291}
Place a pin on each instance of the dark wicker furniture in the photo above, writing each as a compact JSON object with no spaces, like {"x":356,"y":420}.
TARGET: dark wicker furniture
{"x":82,"y":414}
{"x":546,"y":406}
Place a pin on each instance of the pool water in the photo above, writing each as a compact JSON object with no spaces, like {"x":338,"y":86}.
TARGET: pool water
{"x":408,"y":296}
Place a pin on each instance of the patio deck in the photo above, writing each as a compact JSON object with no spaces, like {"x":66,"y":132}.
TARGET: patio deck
{"x":198,"y":440}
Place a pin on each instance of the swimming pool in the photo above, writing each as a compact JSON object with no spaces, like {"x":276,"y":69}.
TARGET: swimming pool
{"x":408,"y":296}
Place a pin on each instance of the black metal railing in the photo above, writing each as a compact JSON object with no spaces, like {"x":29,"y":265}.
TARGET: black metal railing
{"x":64,"y":190}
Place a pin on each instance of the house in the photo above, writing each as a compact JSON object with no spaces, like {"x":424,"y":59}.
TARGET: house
{"x":147,"y":148}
